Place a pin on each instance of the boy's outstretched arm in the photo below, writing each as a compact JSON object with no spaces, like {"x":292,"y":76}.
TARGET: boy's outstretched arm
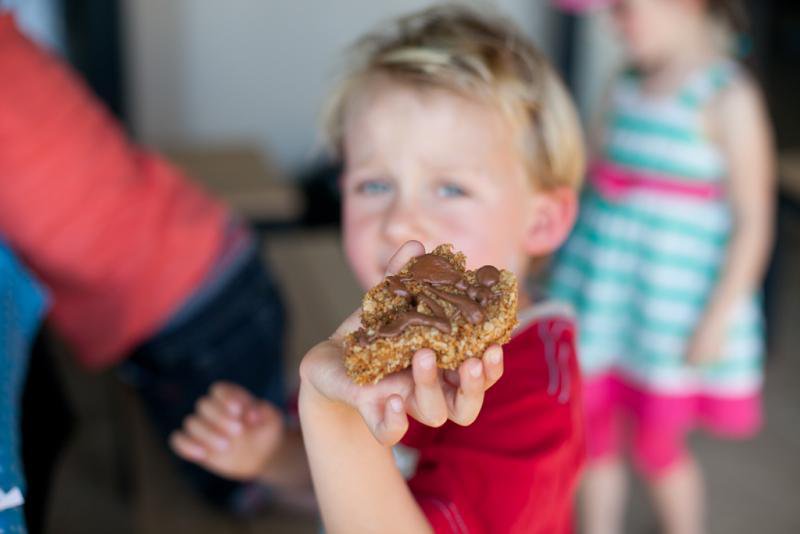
{"x":349,"y":429}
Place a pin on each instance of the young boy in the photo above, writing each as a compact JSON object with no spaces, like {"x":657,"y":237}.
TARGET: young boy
{"x":453,"y":129}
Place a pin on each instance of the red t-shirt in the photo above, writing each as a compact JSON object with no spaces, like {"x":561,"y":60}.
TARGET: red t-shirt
{"x":515,"y":469}
{"x":119,"y":237}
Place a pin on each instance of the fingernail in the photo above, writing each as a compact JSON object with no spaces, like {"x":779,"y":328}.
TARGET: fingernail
{"x":396,"y":405}
{"x":494,"y":357}
{"x":222,"y":444}
{"x":235,"y":427}
{"x":427,"y":361}
{"x":476,"y":370}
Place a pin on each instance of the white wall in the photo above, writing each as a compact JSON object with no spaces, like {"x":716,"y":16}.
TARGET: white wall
{"x":205,"y":71}
{"x":599,"y":58}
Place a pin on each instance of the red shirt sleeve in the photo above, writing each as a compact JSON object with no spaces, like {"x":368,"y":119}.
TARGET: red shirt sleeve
{"x":119,"y":237}
{"x":515,"y":469}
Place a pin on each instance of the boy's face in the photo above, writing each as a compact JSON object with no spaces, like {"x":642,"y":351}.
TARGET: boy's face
{"x":437,"y":168}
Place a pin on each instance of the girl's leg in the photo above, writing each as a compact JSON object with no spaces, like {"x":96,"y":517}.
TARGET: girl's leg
{"x":679,"y":498}
{"x":604,"y":491}
{"x":604,"y":488}
{"x":673,"y":476}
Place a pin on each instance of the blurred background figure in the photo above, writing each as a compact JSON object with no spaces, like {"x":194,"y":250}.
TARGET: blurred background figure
{"x":147,"y":272}
{"x":231,"y":95}
{"x":667,"y":257}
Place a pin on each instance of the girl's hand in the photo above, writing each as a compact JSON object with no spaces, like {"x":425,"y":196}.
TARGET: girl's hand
{"x":426,"y":393}
{"x":231,"y":433}
{"x":706,"y":344}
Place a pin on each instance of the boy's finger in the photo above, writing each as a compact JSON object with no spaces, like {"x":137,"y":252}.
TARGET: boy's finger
{"x":204,"y":433}
{"x":393,"y":424}
{"x":214,"y":411}
{"x":465,"y":403}
{"x":492,"y":365}
{"x":408,"y":250}
{"x":186,"y":447}
{"x":351,"y":324}
{"x":235,"y":398}
{"x":428,"y":404}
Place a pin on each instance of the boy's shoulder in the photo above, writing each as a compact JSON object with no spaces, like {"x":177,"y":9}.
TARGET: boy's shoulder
{"x":544,"y":316}
{"x":541,"y":359}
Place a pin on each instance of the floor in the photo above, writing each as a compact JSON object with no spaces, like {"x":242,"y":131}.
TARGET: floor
{"x":114,"y":477}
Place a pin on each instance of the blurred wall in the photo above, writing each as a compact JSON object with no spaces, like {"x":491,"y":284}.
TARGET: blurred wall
{"x":255,"y":71}
{"x":599,"y":58}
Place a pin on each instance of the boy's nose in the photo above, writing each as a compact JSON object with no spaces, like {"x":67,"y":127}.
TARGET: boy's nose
{"x":402,"y":223}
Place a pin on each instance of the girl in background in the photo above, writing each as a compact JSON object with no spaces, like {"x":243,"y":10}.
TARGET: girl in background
{"x":665,"y":261}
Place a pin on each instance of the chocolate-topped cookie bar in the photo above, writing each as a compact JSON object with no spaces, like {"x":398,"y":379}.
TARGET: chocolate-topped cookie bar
{"x":435,"y":303}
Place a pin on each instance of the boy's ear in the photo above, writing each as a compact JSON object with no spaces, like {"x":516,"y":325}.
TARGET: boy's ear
{"x":552,"y":217}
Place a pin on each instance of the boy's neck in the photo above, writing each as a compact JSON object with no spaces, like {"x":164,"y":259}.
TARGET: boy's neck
{"x":523,"y":300}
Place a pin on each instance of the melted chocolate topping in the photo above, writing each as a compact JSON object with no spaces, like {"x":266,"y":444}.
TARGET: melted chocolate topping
{"x":437,"y":310}
{"x":470,"y":309}
{"x":487,"y":275}
{"x":436,"y":271}
{"x":396,"y":287}
{"x":480,"y":294}
{"x":412,"y":318}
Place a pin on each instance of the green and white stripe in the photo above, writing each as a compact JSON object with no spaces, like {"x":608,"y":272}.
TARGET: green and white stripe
{"x":640,"y":270}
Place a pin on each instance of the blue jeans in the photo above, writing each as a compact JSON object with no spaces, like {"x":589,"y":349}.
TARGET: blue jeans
{"x":22,"y":305}
{"x":236,"y":336}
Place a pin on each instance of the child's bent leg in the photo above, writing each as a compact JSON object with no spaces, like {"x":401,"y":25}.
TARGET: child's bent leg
{"x":673,"y":476}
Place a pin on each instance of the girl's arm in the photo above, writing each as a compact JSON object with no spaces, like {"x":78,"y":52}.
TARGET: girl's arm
{"x":741,"y":123}
{"x":349,"y":430}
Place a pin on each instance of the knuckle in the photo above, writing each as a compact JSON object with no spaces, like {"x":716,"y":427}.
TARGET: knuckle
{"x":218,"y":389}
{"x":195,"y":424}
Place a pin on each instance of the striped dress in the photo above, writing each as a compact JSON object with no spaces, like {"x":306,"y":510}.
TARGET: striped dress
{"x":650,"y":244}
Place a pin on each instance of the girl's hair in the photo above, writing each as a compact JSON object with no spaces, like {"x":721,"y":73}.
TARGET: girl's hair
{"x":480,"y":56}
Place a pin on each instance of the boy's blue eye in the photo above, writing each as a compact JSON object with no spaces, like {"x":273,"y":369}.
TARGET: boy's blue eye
{"x":373,"y":187}
{"x":451,"y":191}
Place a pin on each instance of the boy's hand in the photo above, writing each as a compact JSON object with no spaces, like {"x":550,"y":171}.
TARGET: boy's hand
{"x":231,"y":433}
{"x":426,"y":393}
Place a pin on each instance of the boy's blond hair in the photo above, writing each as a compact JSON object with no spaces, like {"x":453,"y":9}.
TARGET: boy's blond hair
{"x":456,"y":48}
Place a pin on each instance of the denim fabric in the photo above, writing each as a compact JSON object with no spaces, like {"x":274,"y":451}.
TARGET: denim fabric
{"x":22,"y":304}
{"x":236,"y":336}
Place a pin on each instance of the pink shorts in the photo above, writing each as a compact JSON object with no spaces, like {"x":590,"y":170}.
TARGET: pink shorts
{"x":656,"y":425}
